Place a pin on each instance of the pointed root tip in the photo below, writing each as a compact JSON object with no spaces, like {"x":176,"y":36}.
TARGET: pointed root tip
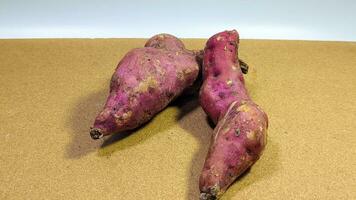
{"x":207,"y":196}
{"x":244,"y":66}
{"x":95,"y":134}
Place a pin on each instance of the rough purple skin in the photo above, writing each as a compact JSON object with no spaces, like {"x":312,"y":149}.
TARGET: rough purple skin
{"x":223,"y":81}
{"x":166,"y":41}
{"x":241,"y":132}
{"x":145,"y":81}
{"x":237,"y":143}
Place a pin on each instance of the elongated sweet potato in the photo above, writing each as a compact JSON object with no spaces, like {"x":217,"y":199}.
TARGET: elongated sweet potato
{"x":240,"y":134}
{"x":144,"y":83}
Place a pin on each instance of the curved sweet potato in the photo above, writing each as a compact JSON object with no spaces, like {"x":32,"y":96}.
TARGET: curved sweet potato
{"x":241,"y":132}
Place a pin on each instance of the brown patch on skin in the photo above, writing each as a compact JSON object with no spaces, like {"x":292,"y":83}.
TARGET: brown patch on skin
{"x":103,"y":115}
{"x":157,"y":62}
{"x":225,"y":130}
{"x":159,"y":68}
{"x":180,"y":76}
{"x":243,"y":102}
{"x":243,"y":108}
{"x":120,"y":119}
{"x":127,"y":115}
{"x":144,"y":85}
{"x":251,"y":135}
{"x":213,"y":171}
{"x":187,"y":71}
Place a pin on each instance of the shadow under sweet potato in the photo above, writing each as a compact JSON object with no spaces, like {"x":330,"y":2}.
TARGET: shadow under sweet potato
{"x":161,"y":122}
{"x":124,"y":140}
{"x":81,"y":117}
{"x":195,"y":123}
{"x":264,"y":168}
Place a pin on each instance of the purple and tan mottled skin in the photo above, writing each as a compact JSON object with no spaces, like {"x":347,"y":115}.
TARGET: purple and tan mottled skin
{"x":170,"y":42}
{"x":241,"y":132}
{"x":145,"y":81}
{"x":166,"y":41}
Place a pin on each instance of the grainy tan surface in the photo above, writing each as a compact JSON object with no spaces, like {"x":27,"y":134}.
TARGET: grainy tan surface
{"x":51,"y":91}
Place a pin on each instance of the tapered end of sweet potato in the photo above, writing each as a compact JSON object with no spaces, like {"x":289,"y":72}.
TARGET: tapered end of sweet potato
{"x":96,"y":133}
{"x":207,"y":196}
{"x":210,"y":193}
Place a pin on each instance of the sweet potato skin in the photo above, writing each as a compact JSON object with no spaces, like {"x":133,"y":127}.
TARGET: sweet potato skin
{"x":241,"y":132}
{"x":172,"y":43}
{"x":223,"y":81}
{"x":145,"y":81}
{"x":166,"y":41}
{"x":238,"y":141}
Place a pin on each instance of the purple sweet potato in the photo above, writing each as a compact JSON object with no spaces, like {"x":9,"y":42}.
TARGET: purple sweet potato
{"x":145,"y":81}
{"x":166,"y":41}
{"x":241,"y":132}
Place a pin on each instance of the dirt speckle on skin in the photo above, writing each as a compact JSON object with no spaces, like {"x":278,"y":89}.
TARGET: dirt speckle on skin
{"x":237,"y":132}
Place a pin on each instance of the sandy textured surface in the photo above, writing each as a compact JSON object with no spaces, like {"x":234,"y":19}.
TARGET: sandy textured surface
{"x":51,"y":91}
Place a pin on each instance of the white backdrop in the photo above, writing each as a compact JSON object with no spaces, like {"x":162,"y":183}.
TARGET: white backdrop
{"x":263,"y":19}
